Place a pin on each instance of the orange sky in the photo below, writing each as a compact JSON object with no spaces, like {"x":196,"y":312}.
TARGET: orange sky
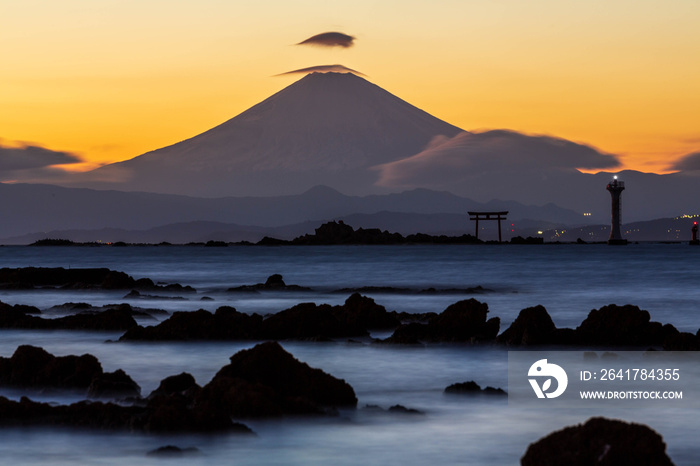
{"x":109,"y":80}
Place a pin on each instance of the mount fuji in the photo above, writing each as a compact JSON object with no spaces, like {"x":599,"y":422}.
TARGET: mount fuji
{"x":341,"y":131}
{"x":325,"y":129}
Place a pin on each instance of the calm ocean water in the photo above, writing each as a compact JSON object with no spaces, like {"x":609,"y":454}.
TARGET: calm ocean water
{"x":569,"y":280}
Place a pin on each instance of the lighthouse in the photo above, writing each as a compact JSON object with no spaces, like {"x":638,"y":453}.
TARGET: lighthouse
{"x":616,"y":187}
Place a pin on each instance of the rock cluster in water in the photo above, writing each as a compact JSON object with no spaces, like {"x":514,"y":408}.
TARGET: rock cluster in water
{"x":34,"y":367}
{"x":29,"y":278}
{"x":119,"y":317}
{"x":472,"y":388}
{"x":306,"y":321}
{"x":610,"y":325}
{"x":264,"y":381}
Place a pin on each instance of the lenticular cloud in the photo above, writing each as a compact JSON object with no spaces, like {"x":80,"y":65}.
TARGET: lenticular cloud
{"x":330,"y":39}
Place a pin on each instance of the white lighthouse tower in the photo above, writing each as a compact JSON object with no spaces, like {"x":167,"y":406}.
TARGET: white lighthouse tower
{"x":616,"y":187}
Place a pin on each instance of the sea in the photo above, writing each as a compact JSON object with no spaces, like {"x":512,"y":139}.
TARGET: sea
{"x":569,"y":280}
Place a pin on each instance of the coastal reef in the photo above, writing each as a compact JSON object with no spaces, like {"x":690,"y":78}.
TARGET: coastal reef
{"x":264,"y":381}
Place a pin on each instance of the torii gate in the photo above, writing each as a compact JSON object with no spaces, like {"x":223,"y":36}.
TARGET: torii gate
{"x":488,"y":216}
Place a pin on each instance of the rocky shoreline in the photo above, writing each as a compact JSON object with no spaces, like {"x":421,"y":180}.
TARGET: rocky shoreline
{"x":267,"y":382}
{"x":465,"y":321}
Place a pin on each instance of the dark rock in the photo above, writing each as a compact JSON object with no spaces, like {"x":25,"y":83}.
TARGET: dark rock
{"x":225,"y":324}
{"x":472,"y":388}
{"x":409,"y":317}
{"x":53,"y":242}
{"x":268,"y":241}
{"x":361,"y":312}
{"x":528,"y":240}
{"x":599,"y":441}
{"x":134,"y":294}
{"x":216,"y":244}
{"x":118,"y":318}
{"x":308,"y":321}
{"x":260,"y":382}
{"x":682,"y":341}
{"x":620,"y":326}
{"x":533,"y":326}
{"x":164,"y":415}
{"x":404,"y":410}
{"x":267,"y":381}
{"x":464,"y":321}
{"x":33,"y":367}
{"x":273,"y":283}
{"x":175,"y":413}
{"x":409,"y":334}
{"x":74,"y":279}
{"x":115,"y":384}
{"x":170,"y":451}
{"x":182,"y":384}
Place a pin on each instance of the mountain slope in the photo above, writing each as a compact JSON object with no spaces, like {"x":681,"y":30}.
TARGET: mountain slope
{"x":327,"y":128}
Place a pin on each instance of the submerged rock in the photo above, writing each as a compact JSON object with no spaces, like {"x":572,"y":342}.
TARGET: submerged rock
{"x":400,"y":409}
{"x":472,"y":388}
{"x":170,"y":451}
{"x":118,"y":318}
{"x":274,"y":283}
{"x":164,"y":415}
{"x":76,"y":279}
{"x":600,"y":441}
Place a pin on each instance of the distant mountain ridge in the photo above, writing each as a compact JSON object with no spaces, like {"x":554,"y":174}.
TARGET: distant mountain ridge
{"x":29,"y":209}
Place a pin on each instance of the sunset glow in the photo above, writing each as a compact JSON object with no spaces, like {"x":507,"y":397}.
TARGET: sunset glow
{"x":109,"y":80}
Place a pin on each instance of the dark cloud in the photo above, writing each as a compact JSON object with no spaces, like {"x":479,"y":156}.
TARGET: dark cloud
{"x":330,"y":39}
{"x":31,"y":161}
{"x":690,"y":162}
{"x":29,"y":157}
{"x":323,"y":69}
{"x":453,"y":160}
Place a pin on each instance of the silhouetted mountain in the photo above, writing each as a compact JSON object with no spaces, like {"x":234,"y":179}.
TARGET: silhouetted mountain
{"x":28,"y":209}
{"x":327,"y":128}
{"x":342,"y":131}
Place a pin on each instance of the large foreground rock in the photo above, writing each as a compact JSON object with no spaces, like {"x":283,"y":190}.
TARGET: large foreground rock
{"x":599,"y":442}
{"x":267,"y":381}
